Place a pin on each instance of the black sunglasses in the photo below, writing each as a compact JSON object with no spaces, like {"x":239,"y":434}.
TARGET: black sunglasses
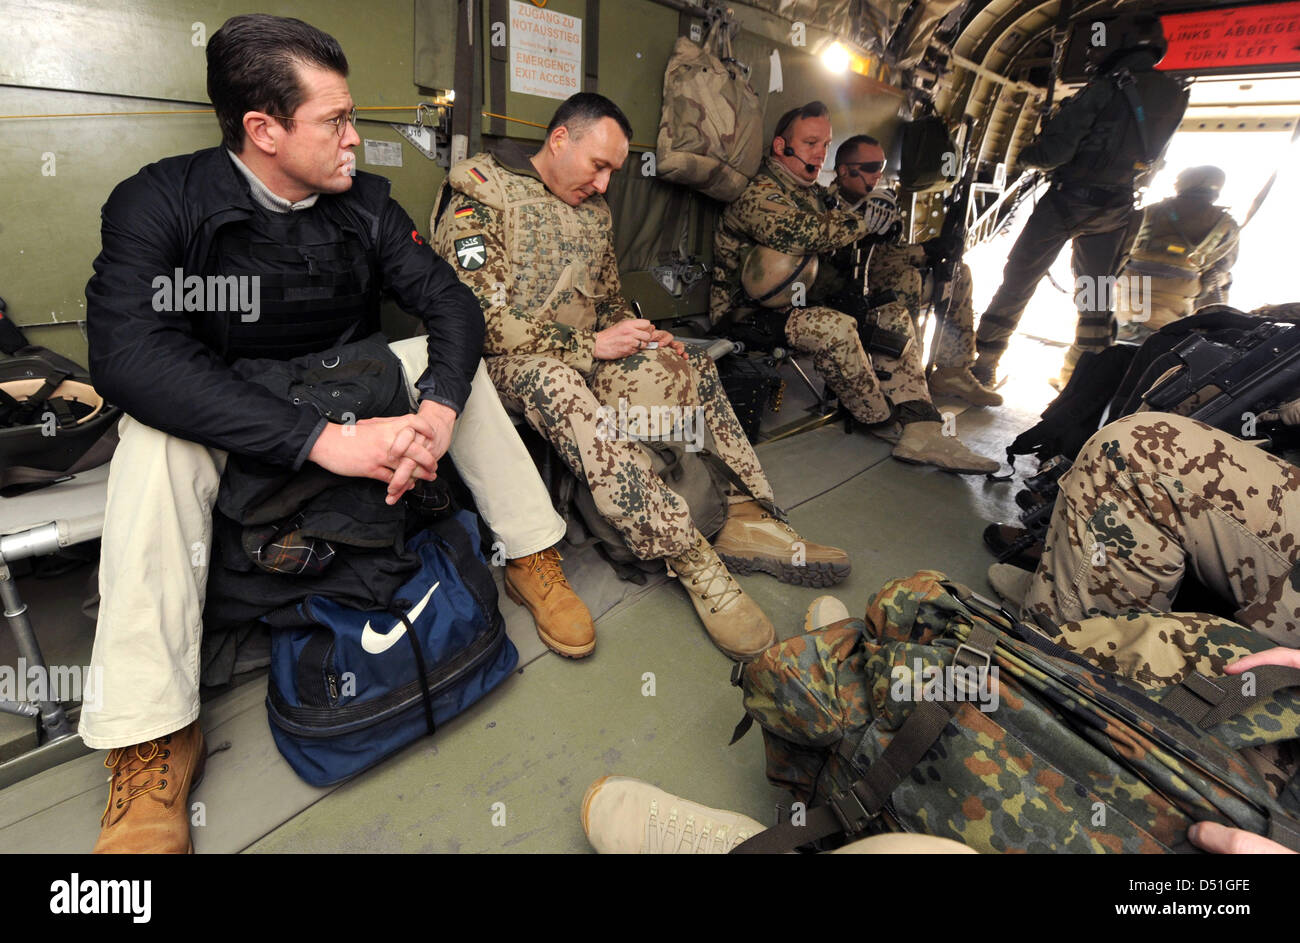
{"x":865,"y":166}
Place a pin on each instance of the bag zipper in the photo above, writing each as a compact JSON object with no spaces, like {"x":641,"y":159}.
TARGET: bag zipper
{"x":323,"y":723}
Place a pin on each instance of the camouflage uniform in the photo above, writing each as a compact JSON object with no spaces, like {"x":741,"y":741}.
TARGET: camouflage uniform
{"x":1151,"y":494}
{"x":546,"y":276}
{"x":902,"y":268}
{"x":779,"y":212}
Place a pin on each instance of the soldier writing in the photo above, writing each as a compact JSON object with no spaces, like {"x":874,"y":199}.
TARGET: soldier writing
{"x":532,"y":236}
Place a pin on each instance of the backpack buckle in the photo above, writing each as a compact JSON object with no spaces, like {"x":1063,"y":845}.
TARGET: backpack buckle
{"x":981,"y":661}
{"x":850,"y":811}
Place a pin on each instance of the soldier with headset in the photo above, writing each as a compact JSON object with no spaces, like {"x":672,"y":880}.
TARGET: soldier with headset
{"x":777,"y":255}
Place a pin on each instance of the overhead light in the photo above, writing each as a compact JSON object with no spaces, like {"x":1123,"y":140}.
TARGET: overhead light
{"x":836,"y":58}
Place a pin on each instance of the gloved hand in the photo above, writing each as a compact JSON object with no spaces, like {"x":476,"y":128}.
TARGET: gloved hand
{"x":881,"y":210}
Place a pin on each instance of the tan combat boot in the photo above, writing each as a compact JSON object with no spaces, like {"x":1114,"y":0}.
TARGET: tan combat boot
{"x":626,"y":816}
{"x":753,"y":539}
{"x":923,"y":443}
{"x":732,"y":619}
{"x":985,"y":371}
{"x":958,"y":381}
{"x":148,"y":799}
{"x":824,"y":611}
{"x":537,"y":582}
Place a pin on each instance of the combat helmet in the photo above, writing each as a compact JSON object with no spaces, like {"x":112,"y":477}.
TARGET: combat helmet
{"x":52,"y":422}
{"x":1206,"y":179}
{"x":769,"y":277}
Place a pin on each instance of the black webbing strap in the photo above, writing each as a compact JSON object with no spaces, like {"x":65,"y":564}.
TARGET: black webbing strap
{"x":853,"y":810}
{"x":1125,"y":82}
{"x":496,"y":66}
{"x":8,"y":407}
{"x":30,"y":407}
{"x":1284,"y":831}
{"x":593,"y":45}
{"x":1208,"y":702}
{"x":421,"y":673}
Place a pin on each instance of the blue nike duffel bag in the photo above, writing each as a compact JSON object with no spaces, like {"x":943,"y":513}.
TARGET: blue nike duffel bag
{"x":355,"y":687}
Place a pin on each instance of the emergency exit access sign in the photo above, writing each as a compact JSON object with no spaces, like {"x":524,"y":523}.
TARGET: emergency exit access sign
{"x":1237,"y":39}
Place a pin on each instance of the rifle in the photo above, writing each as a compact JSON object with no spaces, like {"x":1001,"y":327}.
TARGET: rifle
{"x":946,"y":249}
{"x":1224,"y":384}
{"x":1235,"y":386}
{"x":857,"y":304}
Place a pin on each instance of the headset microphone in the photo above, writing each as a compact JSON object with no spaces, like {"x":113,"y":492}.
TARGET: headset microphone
{"x":810,"y":168}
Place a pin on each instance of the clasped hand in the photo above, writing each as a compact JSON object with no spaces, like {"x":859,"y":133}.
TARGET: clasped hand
{"x":397,"y":450}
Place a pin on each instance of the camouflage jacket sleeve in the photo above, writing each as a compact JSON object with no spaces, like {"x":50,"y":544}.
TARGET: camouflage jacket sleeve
{"x":510,"y":328}
{"x":773,"y":219}
{"x":614,"y":307}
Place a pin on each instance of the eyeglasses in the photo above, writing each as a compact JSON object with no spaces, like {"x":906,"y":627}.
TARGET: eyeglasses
{"x":338,"y":122}
{"x":866,"y":166}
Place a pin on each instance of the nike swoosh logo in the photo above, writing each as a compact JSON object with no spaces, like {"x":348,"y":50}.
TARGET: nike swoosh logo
{"x":377,"y":643}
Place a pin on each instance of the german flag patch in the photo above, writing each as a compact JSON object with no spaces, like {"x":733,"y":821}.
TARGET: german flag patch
{"x":464,"y":211}
{"x":474,"y":171}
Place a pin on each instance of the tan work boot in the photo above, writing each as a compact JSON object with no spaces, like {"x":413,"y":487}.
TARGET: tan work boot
{"x":958,"y":381}
{"x":732,"y":619}
{"x":148,"y":808}
{"x":924,"y":443}
{"x":537,"y":582}
{"x":752,"y":539}
{"x":824,"y":611}
{"x":626,"y":816}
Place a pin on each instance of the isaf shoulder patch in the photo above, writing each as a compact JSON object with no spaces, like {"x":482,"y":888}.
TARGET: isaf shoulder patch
{"x":471,"y":252}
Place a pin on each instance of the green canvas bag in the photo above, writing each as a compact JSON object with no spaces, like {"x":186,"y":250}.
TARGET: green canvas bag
{"x":942,"y":714}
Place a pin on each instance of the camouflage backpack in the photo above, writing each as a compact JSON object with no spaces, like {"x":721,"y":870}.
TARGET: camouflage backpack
{"x":711,"y":129}
{"x":942,"y":714}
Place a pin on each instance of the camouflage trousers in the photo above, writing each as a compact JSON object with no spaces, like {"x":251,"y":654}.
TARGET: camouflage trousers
{"x":832,"y":339}
{"x":592,"y":422}
{"x":1151,"y":495}
{"x":902,"y":270}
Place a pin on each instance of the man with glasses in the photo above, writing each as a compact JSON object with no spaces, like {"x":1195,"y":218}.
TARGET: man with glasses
{"x":279,"y":206}
{"x":784,"y":221}
{"x":908,"y":271}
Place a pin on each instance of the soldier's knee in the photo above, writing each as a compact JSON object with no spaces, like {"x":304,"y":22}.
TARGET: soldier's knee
{"x":554,"y":383}
{"x":838,"y":327}
{"x":652,"y":377}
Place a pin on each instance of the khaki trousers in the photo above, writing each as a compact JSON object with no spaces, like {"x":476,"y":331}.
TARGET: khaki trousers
{"x":158,"y":531}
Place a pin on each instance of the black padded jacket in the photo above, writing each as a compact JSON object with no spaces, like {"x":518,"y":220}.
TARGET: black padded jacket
{"x":164,"y":368}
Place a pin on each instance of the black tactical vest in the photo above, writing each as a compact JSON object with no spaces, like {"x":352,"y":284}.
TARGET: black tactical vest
{"x":316,"y":279}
